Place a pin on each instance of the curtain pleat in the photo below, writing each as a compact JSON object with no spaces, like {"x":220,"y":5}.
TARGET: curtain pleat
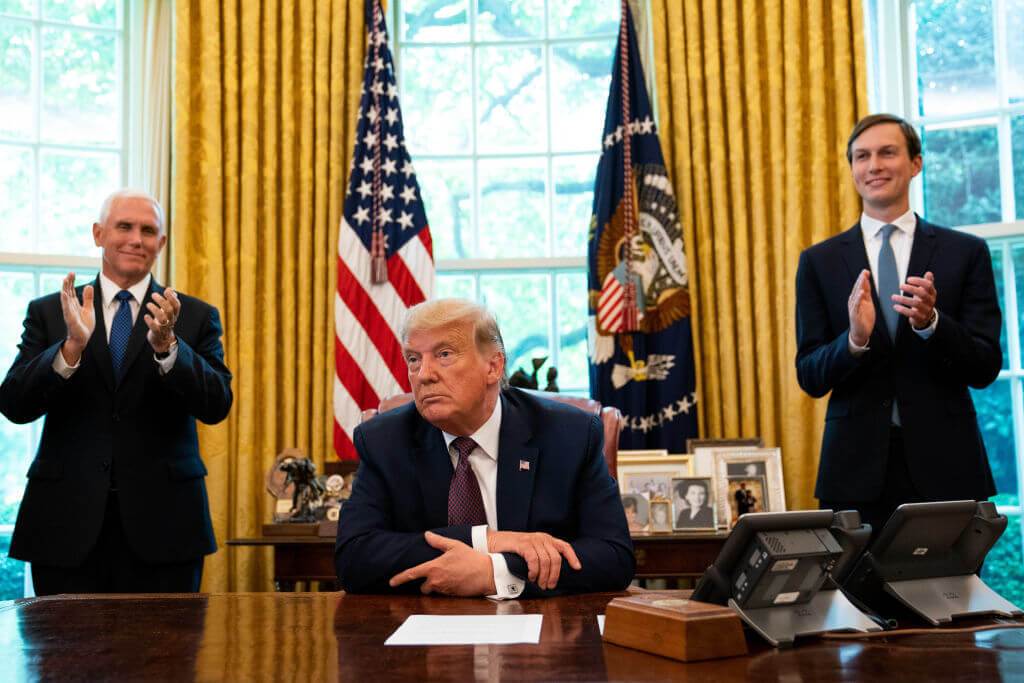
{"x":266,"y":95}
{"x":756,"y":99}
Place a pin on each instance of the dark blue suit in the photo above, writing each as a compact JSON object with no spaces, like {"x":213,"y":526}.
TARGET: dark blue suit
{"x":944,"y":453}
{"x":135,"y":432}
{"x":551,"y":478}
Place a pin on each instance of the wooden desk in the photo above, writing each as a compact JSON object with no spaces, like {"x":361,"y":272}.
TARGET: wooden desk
{"x":675,"y":555}
{"x":332,"y":636}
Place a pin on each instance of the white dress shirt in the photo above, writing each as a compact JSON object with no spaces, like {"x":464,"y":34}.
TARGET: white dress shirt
{"x":483,"y":460}
{"x":109,"y":305}
{"x":902,"y":239}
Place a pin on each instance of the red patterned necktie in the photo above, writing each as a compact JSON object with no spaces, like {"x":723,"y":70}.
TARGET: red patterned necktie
{"x":465,"y":506}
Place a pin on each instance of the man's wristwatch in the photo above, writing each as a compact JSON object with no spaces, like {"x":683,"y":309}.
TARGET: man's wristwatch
{"x":165,"y":354}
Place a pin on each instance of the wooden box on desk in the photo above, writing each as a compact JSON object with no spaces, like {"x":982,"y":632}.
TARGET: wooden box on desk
{"x":667,"y":624}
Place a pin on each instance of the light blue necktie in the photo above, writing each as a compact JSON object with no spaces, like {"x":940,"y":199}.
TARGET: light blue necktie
{"x":120,"y":330}
{"x":888,"y":281}
{"x":889,"y":284}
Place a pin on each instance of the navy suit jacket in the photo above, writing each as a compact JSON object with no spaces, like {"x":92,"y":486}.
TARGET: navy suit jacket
{"x":136,"y":432}
{"x":929,"y":378}
{"x":552,"y":477}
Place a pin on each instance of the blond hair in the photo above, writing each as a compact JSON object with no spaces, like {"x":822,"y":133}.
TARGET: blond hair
{"x":435,"y":313}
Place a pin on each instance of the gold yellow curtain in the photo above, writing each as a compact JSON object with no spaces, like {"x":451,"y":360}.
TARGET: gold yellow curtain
{"x":756,"y":99}
{"x":266,"y":98}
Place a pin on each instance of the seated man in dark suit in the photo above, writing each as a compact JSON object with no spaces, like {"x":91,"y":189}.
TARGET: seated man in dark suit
{"x":476,"y":488}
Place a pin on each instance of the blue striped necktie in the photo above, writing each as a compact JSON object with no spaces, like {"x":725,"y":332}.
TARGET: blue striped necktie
{"x":120,"y":330}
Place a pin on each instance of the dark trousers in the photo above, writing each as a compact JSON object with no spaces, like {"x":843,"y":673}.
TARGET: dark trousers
{"x":898,"y":489}
{"x":113,"y":567}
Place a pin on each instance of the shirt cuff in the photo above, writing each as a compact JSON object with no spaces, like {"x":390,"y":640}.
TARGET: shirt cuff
{"x":479,"y":538}
{"x":507,"y":585}
{"x":61,"y":367}
{"x":926,"y":332}
{"x":854,"y":349}
{"x":166,"y":364}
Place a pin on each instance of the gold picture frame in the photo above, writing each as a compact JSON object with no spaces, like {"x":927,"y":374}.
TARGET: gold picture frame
{"x":651,"y":475}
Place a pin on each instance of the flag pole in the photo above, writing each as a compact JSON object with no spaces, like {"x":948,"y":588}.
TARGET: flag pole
{"x":629,"y":311}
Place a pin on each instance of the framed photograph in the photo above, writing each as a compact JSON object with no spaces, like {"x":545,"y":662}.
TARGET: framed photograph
{"x":638,"y":511}
{"x":693,"y":444}
{"x":693,"y":505}
{"x":654,"y":453}
{"x":651,"y":476}
{"x":748,"y":464}
{"x":661,"y":515}
{"x":746,"y":494}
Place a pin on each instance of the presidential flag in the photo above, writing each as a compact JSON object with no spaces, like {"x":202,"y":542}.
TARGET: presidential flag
{"x":641,"y":347}
{"x":385,"y":257}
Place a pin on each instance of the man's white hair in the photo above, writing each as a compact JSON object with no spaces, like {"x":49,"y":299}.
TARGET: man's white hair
{"x":129,"y":193}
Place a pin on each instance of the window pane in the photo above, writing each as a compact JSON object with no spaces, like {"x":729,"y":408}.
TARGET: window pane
{"x":96,"y":12}
{"x":1002,"y":570}
{"x":1017,"y":254}
{"x":435,"y":21}
{"x":460,"y":286}
{"x":574,"y":197}
{"x":72,"y":187}
{"x":1017,"y":150}
{"x":15,"y":198}
{"x":511,"y":104}
{"x":961,"y":175}
{"x":955,"y":56}
{"x":996,"y":251}
{"x":447,"y":196}
{"x":513,"y":209}
{"x":12,"y":572}
{"x":509,"y":19}
{"x":19,"y":7}
{"x":15,"y":440}
{"x":80,"y":87}
{"x":1015,"y":51}
{"x":522,"y":307}
{"x":571,"y":293}
{"x":16,"y":80}
{"x":583,"y":17}
{"x":996,"y":422}
{"x":436,"y":102}
{"x":580,"y":77}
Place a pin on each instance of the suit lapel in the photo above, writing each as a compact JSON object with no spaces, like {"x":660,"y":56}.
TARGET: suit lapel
{"x":433,"y":471}
{"x":920,"y":258}
{"x":97,"y":345}
{"x":517,"y":466}
{"x":137,"y":338}
{"x":856,"y":259}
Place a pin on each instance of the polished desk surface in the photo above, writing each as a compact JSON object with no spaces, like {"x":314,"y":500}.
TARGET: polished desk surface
{"x":333,"y":636}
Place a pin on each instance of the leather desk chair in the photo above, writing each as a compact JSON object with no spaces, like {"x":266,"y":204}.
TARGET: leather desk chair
{"x":611,"y":418}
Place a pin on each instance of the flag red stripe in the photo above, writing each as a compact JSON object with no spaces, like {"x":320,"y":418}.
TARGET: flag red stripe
{"x":404,"y":283}
{"x":343,"y":445}
{"x":347,"y":369}
{"x":377,"y":329}
{"x":428,"y":243}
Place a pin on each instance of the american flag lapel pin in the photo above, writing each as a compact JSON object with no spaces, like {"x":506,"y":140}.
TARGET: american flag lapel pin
{"x":524,"y":465}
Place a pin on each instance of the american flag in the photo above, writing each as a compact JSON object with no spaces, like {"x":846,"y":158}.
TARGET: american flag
{"x":385,"y":256}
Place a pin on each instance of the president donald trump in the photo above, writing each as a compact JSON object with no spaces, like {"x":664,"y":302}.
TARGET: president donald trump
{"x":478,"y":489}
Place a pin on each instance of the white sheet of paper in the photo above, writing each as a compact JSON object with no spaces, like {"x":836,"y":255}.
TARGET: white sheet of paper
{"x":600,"y":623}
{"x":467,"y":629}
